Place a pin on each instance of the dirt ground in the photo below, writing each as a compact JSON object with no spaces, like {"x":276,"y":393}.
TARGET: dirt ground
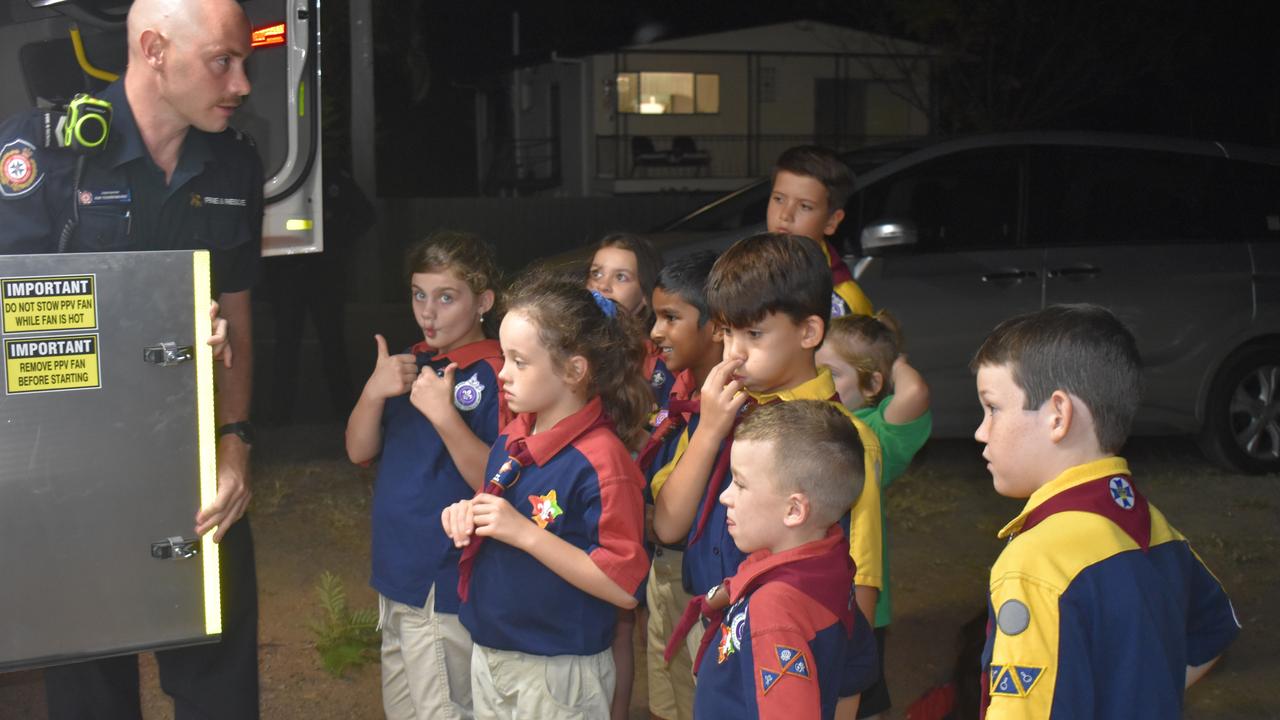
{"x":310,"y":514}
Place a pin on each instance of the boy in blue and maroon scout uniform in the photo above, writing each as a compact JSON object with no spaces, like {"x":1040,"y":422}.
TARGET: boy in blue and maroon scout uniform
{"x":782,"y":647}
{"x":553,"y":545}
{"x":429,"y":415}
{"x":690,"y":345}
{"x":1098,"y":607}
{"x":771,"y":295}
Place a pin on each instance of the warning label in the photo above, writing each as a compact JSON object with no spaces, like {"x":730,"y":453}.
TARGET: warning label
{"x":41,"y":304}
{"x":51,"y":363}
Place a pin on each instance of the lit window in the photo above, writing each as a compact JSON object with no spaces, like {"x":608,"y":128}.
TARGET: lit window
{"x":668,"y":93}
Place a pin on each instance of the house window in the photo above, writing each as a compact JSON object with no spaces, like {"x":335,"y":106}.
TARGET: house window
{"x":668,"y":93}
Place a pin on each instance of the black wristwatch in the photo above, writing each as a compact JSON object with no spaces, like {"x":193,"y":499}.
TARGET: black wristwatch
{"x":242,"y":430}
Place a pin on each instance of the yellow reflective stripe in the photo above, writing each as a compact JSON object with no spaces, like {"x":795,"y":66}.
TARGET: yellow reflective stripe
{"x":205,"y":437}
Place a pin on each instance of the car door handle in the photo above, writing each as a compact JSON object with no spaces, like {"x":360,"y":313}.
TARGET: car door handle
{"x":1008,"y":276}
{"x":1082,"y":271}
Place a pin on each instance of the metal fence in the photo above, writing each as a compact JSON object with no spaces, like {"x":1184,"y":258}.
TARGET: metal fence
{"x":710,"y":156}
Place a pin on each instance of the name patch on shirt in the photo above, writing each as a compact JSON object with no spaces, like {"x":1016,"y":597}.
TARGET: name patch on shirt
{"x":198,"y":200}
{"x":104,"y":197}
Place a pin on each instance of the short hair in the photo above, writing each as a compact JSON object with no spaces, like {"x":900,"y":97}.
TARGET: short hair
{"x":1081,"y":349}
{"x":868,"y":344}
{"x":768,"y":273}
{"x":686,"y":278}
{"x":823,"y":165}
{"x":466,"y":255}
{"x":816,"y":451}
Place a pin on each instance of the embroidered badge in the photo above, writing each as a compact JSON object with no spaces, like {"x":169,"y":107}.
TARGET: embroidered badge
{"x":838,"y":306}
{"x":105,"y":197}
{"x":1013,"y":618}
{"x":1121,"y":492}
{"x":507,"y":474}
{"x":197,"y":200}
{"x":731,"y":636}
{"x":467,"y":394}
{"x":793,"y":662}
{"x":1014,"y":680}
{"x":659,"y":378}
{"x":545,"y":509}
{"x":19,"y":173}
{"x":660,"y":417}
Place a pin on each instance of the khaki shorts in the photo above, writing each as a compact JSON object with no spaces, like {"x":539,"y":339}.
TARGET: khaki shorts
{"x":670,"y":686}
{"x":515,"y":686}
{"x":426,"y":662}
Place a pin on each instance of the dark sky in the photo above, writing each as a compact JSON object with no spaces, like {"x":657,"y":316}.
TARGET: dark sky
{"x":1173,"y":67}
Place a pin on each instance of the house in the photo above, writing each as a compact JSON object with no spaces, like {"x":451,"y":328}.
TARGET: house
{"x":704,"y":113}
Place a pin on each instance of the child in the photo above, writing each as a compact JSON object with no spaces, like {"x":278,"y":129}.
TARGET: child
{"x":690,"y":345}
{"x":771,"y":296}
{"x":624,"y":269}
{"x":810,"y":187}
{"x":1098,"y":607}
{"x":876,"y":382}
{"x":791,"y":628}
{"x":560,"y":550}
{"x":431,"y":413}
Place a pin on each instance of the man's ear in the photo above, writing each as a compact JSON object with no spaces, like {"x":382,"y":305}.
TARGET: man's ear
{"x":1061,"y":413}
{"x":153,"y":45}
{"x":812,"y":331}
{"x":798,"y":510}
{"x":833,"y":222}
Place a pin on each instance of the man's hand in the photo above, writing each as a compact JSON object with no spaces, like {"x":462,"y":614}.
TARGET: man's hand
{"x":721,"y":399}
{"x":393,"y":375}
{"x":433,"y":394}
{"x":233,"y":489}
{"x":218,"y":339}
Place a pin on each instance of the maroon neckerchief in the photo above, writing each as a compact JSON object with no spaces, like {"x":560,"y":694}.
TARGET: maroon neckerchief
{"x":826,"y":577}
{"x":1101,"y":498}
{"x":839,"y":271}
{"x":674,"y":422}
{"x":518,"y":458}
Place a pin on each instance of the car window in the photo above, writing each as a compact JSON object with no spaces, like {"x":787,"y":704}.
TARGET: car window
{"x":1255,"y":194}
{"x":964,"y":201}
{"x":1111,"y":196}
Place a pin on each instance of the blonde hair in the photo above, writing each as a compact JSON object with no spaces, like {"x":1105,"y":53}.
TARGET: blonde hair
{"x":869,"y":344}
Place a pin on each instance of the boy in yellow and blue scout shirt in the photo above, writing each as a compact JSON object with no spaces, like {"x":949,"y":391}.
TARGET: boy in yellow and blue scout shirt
{"x":690,"y":344}
{"x":791,"y":628}
{"x":810,"y":187}
{"x":1098,"y":607}
{"x":771,"y":296}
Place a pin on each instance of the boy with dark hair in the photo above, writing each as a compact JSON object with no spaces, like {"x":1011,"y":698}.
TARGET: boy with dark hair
{"x":790,"y":628}
{"x":770,"y":294}
{"x":690,"y":345}
{"x":1098,"y":607}
{"x":810,"y":187}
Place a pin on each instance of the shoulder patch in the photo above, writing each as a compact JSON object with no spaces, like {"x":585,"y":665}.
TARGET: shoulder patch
{"x":1014,"y":680}
{"x":19,"y":172}
{"x":1013,"y":618}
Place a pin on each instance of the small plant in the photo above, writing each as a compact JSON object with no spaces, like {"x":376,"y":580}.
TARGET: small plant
{"x":345,"y":638}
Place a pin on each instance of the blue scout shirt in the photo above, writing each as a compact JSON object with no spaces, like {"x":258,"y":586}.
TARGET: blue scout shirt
{"x":585,"y":488}
{"x":213,"y":202}
{"x":656,"y":373}
{"x":1086,"y":620}
{"x":417,"y":479}
{"x":779,"y":652}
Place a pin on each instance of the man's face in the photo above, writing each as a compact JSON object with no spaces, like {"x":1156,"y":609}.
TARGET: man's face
{"x":676,"y":332}
{"x":1014,"y":437}
{"x":203,"y":78}
{"x":776,"y":353}
{"x":799,"y":205}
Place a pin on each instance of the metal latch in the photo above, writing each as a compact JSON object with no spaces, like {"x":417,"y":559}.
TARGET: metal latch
{"x":167,"y":353}
{"x":175,"y":548}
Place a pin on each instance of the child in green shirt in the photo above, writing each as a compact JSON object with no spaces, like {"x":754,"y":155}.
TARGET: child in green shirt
{"x":877,"y":383}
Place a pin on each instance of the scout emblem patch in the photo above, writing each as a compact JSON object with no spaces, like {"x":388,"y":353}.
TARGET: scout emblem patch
{"x":838,"y":306}
{"x":731,"y":637}
{"x":1014,"y":680}
{"x":661,"y":417}
{"x":19,"y":173}
{"x":1121,"y":492}
{"x":659,"y":378}
{"x":793,"y":662}
{"x":545,"y":509}
{"x":467,"y":394}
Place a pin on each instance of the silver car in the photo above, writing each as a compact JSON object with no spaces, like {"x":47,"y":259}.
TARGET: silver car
{"x":1180,"y":238}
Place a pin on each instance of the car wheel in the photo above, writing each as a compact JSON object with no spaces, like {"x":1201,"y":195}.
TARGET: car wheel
{"x":1242,"y":414}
